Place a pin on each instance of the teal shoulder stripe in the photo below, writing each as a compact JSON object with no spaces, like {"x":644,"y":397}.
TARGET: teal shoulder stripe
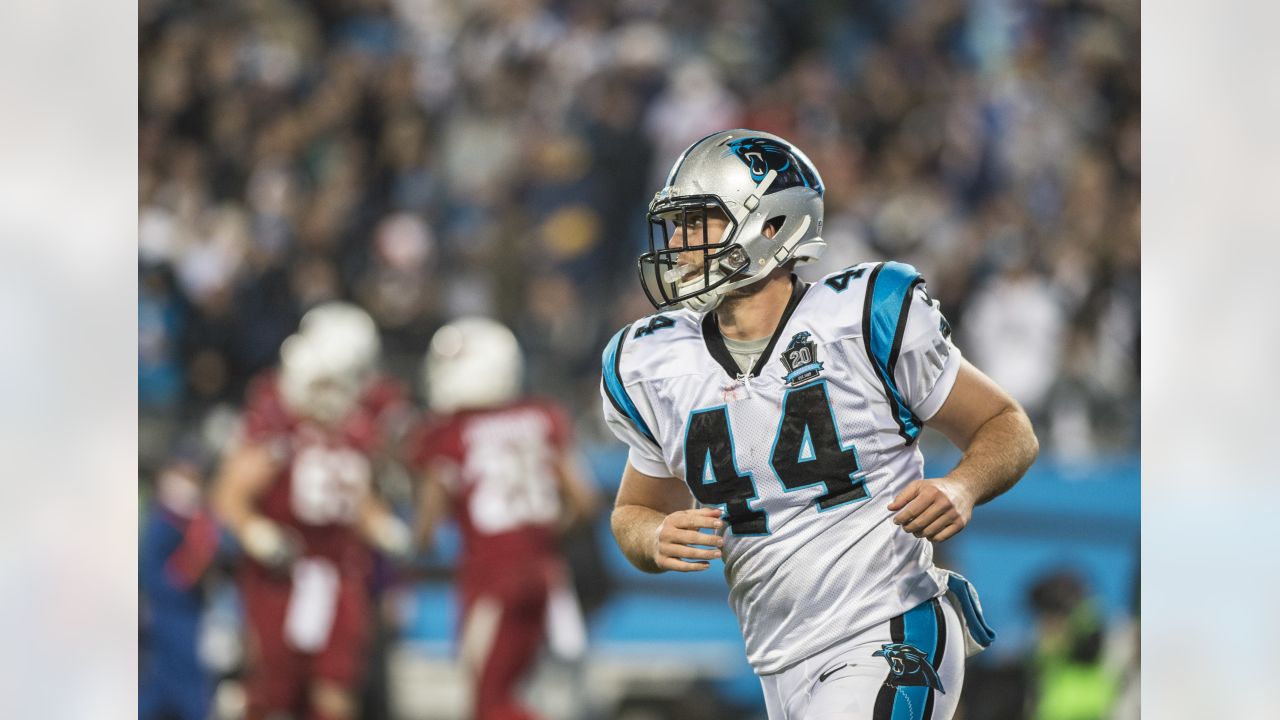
{"x":893,"y":285}
{"x":613,"y":383}
{"x":888,"y":300}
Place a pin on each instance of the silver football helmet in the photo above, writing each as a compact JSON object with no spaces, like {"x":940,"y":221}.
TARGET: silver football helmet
{"x":756,"y":180}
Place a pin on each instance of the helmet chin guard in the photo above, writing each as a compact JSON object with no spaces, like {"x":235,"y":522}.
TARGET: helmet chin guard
{"x":754,"y":180}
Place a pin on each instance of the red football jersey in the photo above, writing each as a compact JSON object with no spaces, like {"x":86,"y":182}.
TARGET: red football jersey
{"x":498,"y":467}
{"x":325,"y":473}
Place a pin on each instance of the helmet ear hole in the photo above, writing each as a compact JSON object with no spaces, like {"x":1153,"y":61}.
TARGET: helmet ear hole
{"x":775,"y":224}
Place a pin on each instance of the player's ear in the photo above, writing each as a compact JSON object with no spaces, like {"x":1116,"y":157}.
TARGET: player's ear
{"x":772,"y":225}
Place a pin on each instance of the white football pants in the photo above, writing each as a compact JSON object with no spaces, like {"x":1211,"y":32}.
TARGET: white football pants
{"x":909,"y":668}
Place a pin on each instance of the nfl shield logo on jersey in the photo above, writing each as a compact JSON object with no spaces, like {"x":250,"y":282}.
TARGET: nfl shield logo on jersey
{"x":801,"y":360}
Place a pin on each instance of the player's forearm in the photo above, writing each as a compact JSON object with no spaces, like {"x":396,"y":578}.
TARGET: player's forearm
{"x":431,"y":510}
{"x":635,"y":527}
{"x":383,"y":530}
{"x":243,"y":476}
{"x":579,"y":499}
{"x":582,"y":505}
{"x":997,"y":456}
{"x":424,"y":537}
{"x":233,"y":511}
{"x":261,"y":538}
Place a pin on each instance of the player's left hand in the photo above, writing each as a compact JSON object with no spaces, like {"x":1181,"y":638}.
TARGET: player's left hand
{"x":392,"y":537}
{"x":934,"y":509}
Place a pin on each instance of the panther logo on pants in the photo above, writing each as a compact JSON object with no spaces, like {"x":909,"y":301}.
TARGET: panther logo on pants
{"x":909,"y":666}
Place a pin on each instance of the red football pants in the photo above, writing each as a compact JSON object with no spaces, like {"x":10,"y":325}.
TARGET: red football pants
{"x":279,"y":676}
{"x":503,"y":625}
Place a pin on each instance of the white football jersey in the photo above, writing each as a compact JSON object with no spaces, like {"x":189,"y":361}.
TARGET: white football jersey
{"x":804,"y":453}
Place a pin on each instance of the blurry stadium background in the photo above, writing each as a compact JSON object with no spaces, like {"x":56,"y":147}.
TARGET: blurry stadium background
{"x":434,"y":158}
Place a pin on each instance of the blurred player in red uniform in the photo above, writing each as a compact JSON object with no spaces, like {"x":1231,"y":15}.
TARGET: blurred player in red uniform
{"x":296,"y":491}
{"x":506,"y":469}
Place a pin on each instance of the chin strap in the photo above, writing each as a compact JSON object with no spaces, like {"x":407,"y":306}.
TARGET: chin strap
{"x":704,"y":303}
{"x":753,"y":200}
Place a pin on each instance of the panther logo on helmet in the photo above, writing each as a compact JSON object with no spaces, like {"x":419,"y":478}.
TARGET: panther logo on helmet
{"x":762,"y":154}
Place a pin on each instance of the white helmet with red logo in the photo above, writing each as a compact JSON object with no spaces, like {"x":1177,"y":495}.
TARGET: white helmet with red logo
{"x":472,"y":362}
{"x":326,"y":365}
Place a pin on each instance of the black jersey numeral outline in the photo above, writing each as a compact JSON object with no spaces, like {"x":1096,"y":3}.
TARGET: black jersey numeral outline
{"x":840,"y":282}
{"x":658,"y":322}
{"x":806,"y":410}
{"x":708,"y":439}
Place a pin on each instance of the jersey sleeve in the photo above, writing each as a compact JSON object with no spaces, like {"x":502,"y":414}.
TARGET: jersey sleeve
{"x":427,"y":442}
{"x":265,"y":420}
{"x":435,"y":444}
{"x":908,"y":341}
{"x":628,"y":413}
{"x":388,"y":404}
{"x":928,"y":362}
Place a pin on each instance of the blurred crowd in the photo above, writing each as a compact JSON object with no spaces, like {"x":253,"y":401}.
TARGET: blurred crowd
{"x":432,"y":158}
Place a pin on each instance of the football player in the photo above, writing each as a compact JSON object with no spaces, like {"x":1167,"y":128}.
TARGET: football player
{"x":783,"y":416}
{"x":296,"y":492}
{"x":505,"y":468}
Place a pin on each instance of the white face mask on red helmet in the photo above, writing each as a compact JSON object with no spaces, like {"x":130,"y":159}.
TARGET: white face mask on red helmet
{"x":472,"y":363}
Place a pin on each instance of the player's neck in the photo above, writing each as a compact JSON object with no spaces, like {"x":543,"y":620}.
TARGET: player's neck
{"x":755,"y":316}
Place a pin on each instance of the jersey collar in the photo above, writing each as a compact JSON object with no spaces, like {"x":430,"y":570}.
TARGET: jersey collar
{"x":715,"y":341}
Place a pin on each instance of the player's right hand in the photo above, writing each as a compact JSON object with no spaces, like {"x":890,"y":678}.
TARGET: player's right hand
{"x":392,"y":537}
{"x":267,"y":542}
{"x":677,"y":540}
